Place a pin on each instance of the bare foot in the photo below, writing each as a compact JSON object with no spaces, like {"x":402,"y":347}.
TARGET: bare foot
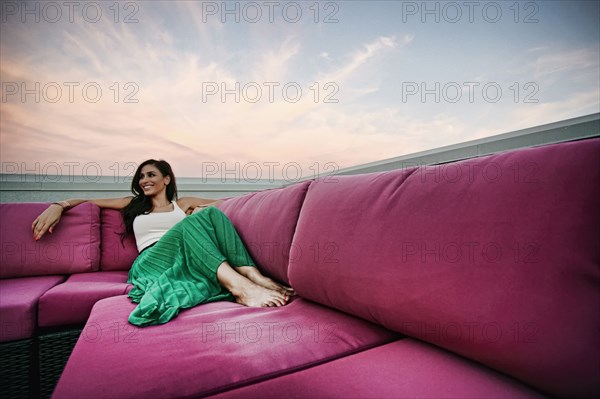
{"x":247,"y":292}
{"x":254,"y":275}
{"x":253,"y":295}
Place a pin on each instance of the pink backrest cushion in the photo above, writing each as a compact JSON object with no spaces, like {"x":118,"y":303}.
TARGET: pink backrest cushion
{"x":116,"y":253}
{"x":494,"y":258}
{"x":266,"y":222}
{"x":74,"y":247}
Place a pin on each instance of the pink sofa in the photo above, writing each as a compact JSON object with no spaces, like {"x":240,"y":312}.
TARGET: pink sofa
{"x":48,"y":288}
{"x":479,"y":278}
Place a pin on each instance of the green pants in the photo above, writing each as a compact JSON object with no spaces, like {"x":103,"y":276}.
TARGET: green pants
{"x":180,"y":270}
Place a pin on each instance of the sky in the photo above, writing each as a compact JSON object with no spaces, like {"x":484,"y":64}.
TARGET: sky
{"x":277,"y":89}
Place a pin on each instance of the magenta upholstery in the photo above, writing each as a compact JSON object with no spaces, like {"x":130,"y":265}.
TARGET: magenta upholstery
{"x":266,"y":222}
{"x":18,"y":305}
{"x":495,"y":258}
{"x":206,"y":349}
{"x":74,"y":247}
{"x":116,"y":253}
{"x":70,"y":303}
{"x":401,"y":369}
{"x":490,"y":266}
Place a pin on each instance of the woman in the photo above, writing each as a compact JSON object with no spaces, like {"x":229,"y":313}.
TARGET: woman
{"x":183,"y":261}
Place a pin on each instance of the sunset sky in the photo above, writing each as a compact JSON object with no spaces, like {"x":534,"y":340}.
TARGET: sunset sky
{"x":209,"y":86}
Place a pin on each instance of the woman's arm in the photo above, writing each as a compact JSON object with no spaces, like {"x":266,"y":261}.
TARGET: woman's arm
{"x":193,"y":204}
{"x":51,"y":216}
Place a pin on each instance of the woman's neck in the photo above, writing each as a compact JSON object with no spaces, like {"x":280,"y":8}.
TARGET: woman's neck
{"x":160,"y":202}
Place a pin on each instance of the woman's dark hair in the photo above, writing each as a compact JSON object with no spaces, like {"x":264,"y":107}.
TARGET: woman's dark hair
{"x":141,"y":204}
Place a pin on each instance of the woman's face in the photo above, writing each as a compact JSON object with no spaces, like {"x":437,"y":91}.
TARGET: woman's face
{"x":152,"y":181}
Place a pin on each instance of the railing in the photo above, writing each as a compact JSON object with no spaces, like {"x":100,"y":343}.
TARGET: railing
{"x":36,"y":188}
{"x":33,"y":188}
{"x":580,"y":128}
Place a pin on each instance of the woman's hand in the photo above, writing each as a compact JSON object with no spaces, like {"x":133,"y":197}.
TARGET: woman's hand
{"x":46,"y":221}
{"x":192,"y":204}
{"x":196,"y":209}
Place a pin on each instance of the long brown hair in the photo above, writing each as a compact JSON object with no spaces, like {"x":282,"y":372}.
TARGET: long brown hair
{"x":141,"y":204}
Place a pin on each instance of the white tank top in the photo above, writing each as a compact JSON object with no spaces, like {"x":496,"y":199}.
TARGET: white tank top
{"x":149,"y":228}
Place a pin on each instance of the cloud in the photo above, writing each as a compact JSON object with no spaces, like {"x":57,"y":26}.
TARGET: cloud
{"x":553,"y":62}
{"x":272,"y":66}
{"x":577,"y":104}
{"x":173,"y":56}
{"x":360,"y":57}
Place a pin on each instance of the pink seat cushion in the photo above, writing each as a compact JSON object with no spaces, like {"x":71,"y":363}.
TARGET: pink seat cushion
{"x":266,"y":222}
{"x":401,"y":369}
{"x":74,"y":247}
{"x":71,"y":302}
{"x":206,"y":349}
{"x":18,"y":304}
{"x":116,"y":253}
{"x":494,"y":258}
